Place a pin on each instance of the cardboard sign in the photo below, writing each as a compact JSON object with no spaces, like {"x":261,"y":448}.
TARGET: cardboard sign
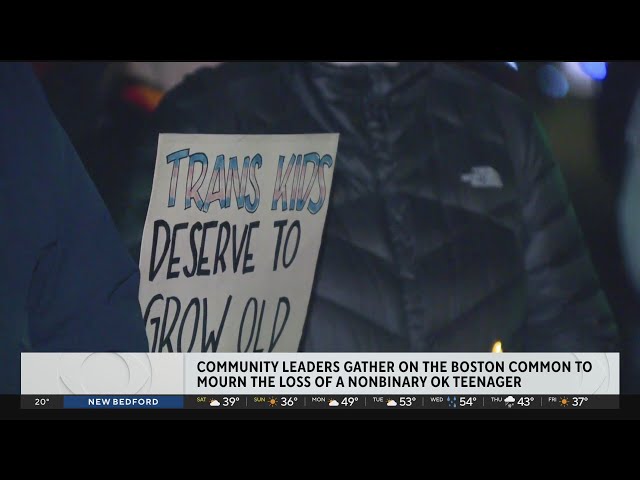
{"x":231,"y":240}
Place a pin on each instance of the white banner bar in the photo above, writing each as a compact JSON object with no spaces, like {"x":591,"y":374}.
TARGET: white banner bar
{"x":320,"y":373}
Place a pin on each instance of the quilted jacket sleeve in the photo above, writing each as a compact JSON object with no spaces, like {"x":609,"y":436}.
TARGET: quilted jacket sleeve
{"x":567,"y":310}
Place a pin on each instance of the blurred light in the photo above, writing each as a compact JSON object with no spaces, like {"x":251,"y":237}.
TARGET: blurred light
{"x":552,"y":82}
{"x":580,"y":83}
{"x":596,"y":70}
{"x":513,"y":65}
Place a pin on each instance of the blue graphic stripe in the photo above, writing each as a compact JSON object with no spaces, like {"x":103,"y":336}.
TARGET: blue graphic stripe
{"x":124,"y":401}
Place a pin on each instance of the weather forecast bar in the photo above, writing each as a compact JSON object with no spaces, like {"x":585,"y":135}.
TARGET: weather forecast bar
{"x":327,"y":402}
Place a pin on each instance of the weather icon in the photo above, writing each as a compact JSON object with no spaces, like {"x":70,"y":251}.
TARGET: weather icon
{"x":392,"y":403}
{"x":214,"y":403}
{"x":333,"y":403}
{"x":509,"y":401}
{"x":564,"y":401}
{"x":273,"y":402}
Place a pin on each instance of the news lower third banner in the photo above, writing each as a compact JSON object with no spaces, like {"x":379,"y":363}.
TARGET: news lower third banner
{"x":147,"y":375}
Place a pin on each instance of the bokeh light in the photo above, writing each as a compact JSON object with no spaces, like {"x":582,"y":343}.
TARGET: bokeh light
{"x":552,"y":81}
{"x":595,"y":70}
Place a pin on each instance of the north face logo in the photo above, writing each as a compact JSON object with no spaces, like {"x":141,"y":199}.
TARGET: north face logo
{"x":482,"y":177}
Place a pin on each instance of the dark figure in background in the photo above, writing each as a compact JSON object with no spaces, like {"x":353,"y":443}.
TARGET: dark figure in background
{"x":613,"y":110}
{"x":449,"y":225}
{"x":614,"y":253}
{"x":103,"y":109}
{"x":629,"y":229}
{"x":68,"y":283}
{"x":630,"y":197}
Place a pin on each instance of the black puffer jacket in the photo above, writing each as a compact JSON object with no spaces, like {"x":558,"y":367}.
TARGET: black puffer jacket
{"x":449,"y":225}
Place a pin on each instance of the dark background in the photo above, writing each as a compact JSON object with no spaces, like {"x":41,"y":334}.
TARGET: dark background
{"x":584,"y":107}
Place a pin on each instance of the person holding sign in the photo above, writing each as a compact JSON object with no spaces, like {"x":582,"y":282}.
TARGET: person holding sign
{"x":68,"y":282}
{"x":232,"y":235}
{"x":449,"y":227}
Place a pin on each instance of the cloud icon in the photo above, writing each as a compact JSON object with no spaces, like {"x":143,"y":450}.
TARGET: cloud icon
{"x":509,"y":399}
{"x":392,"y":403}
{"x":333,"y":403}
{"x":214,"y":403}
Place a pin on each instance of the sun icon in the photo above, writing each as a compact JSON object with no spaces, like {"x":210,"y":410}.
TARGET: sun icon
{"x":273,"y":402}
{"x":564,"y":401}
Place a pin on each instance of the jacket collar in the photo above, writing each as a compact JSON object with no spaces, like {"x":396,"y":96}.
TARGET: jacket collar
{"x":351,"y":83}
